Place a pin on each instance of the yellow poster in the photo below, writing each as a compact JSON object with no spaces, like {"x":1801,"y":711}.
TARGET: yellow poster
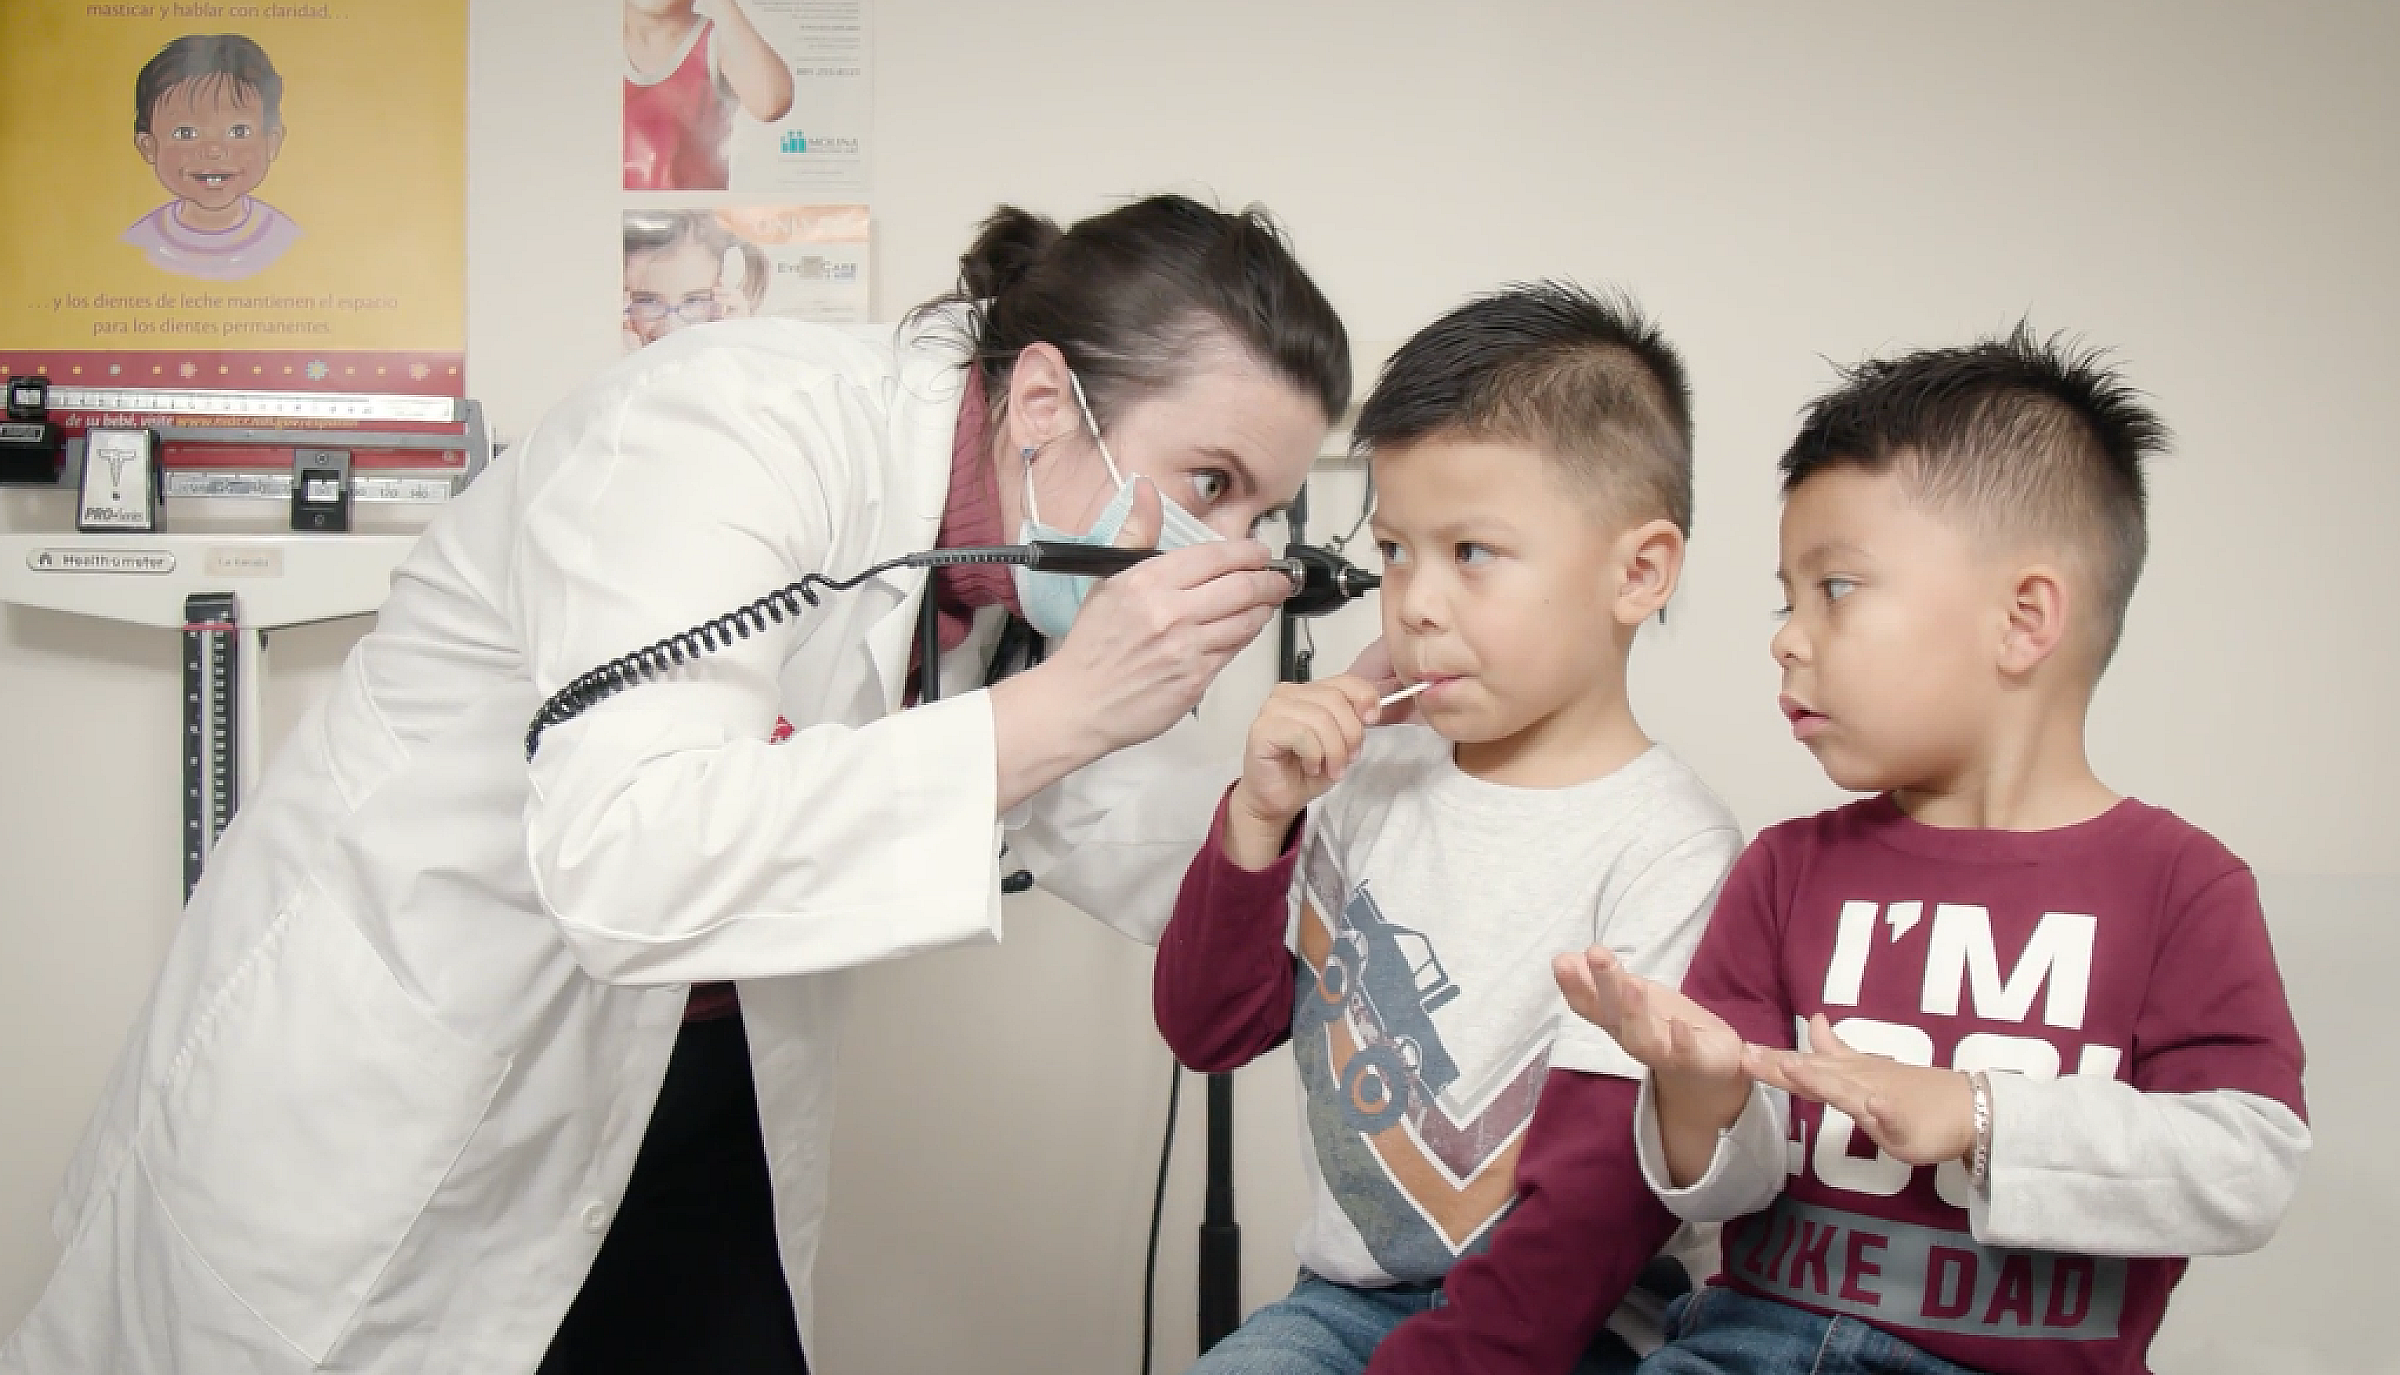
{"x":246,"y":196}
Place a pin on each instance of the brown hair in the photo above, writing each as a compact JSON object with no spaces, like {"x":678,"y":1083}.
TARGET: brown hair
{"x":1582,"y":377}
{"x":1127,"y":295}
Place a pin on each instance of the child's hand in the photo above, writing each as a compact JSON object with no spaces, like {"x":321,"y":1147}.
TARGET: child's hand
{"x":1695,"y":1057}
{"x":1374,"y":663}
{"x":1300,"y":745}
{"x":1918,"y":1115}
{"x":1656,"y":1025}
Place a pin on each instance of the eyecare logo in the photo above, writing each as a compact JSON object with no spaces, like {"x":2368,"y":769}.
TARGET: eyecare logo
{"x":815,"y":268}
{"x":794,"y":141}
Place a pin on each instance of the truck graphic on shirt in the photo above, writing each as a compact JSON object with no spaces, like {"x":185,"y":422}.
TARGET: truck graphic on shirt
{"x":1391,"y":982}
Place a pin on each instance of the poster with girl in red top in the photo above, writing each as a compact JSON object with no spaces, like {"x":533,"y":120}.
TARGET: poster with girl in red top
{"x":745,"y":95}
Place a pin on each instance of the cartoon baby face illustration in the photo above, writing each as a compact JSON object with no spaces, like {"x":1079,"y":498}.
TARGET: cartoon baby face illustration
{"x":210,"y":141}
{"x":208,"y":118}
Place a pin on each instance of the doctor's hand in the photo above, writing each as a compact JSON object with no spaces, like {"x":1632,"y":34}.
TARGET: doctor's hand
{"x":1145,"y":646}
{"x":1304,"y":739}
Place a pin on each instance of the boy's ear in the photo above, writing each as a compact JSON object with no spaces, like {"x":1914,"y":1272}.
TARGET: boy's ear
{"x":274,"y":143}
{"x":2036,"y":624}
{"x":147,"y":145}
{"x":1650,"y":562}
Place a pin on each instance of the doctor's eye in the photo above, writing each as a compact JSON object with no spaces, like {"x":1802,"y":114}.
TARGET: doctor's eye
{"x":1210,"y":485}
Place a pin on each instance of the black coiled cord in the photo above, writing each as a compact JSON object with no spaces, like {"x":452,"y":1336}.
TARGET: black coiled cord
{"x":684,"y":646}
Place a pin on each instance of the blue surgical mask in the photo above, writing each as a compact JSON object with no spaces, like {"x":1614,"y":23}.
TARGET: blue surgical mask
{"x":1051,"y":600}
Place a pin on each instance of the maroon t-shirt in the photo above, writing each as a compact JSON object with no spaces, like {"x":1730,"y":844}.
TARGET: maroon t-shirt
{"x":2130,"y":946}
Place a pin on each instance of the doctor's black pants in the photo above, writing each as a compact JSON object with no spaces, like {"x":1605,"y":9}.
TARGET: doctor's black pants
{"x":689,"y":1279}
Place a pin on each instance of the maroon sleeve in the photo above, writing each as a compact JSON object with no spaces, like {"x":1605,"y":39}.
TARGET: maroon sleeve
{"x":1737,"y":972}
{"x":1583,"y":1227}
{"x":2215,"y":1015}
{"x":1222,"y":986}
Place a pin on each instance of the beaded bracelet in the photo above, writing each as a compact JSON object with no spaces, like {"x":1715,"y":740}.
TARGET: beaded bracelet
{"x":1980,"y":1170}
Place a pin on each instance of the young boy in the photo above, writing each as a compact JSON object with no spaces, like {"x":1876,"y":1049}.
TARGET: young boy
{"x":1532,"y":462}
{"x":208,"y":118}
{"x":2046,"y":1049}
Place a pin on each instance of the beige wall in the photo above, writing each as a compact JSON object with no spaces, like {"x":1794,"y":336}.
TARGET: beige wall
{"x":2209,"y":187}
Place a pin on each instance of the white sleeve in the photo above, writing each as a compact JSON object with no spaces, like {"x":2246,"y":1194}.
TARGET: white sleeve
{"x":1654,"y":926}
{"x":2097,"y":1167}
{"x":1745,"y":1174}
{"x":1114,"y":837}
{"x":669,"y":840}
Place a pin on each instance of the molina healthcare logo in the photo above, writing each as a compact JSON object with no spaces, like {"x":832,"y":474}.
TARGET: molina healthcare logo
{"x":797,"y":143}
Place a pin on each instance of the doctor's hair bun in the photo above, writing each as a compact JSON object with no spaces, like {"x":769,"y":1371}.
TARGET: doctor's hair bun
{"x":1007,"y":246}
{"x":1132,"y":296}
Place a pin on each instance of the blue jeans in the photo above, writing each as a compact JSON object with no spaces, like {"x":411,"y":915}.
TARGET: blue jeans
{"x":1323,"y":1328}
{"x":1715,"y":1331}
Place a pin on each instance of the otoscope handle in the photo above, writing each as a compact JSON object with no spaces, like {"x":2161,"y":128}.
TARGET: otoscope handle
{"x":1322,"y":581}
{"x":1083,"y":560}
{"x":1107,"y":560}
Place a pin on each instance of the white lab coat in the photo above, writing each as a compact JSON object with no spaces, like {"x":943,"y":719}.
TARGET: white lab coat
{"x":389,"y":1087}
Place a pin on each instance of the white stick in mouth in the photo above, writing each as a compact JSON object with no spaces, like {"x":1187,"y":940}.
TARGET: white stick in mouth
{"x":1405,"y":693}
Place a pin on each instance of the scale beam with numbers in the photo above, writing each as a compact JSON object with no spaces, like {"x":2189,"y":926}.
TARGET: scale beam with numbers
{"x":226,"y":591}
{"x":411,"y":466}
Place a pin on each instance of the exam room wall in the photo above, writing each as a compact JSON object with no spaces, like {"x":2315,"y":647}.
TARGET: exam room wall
{"x":2210,"y":187}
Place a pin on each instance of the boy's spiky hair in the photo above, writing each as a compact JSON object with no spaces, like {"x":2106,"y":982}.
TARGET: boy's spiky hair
{"x":2026,"y":438}
{"x":1582,"y":376}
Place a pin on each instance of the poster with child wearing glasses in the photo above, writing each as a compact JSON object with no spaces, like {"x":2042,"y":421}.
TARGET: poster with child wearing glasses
{"x":694,"y":267}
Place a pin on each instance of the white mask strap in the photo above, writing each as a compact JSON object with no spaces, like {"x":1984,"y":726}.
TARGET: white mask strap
{"x":1086,"y":407}
{"x":1033,"y":508}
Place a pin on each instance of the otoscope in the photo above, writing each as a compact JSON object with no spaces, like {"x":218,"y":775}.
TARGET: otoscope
{"x":1322,"y":582}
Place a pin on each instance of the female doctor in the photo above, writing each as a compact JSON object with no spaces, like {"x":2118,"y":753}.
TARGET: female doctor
{"x":445,"y":1039}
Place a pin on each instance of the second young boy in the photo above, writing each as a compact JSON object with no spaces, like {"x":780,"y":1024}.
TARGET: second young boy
{"x":1966,"y":1068}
